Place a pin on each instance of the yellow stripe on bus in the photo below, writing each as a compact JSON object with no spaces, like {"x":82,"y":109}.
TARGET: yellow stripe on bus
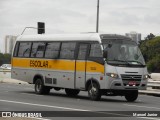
{"x":66,"y":65}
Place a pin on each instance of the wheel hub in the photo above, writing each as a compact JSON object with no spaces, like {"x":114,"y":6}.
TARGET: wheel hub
{"x":38,"y":87}
{"x":93,"y":91}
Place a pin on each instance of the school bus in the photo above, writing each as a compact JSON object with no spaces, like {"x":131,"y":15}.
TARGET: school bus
{"x":102,"y":64}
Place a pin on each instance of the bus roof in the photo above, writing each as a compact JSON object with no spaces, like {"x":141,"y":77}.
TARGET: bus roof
{"x":63,"y":37}
{"x":70,"y":37}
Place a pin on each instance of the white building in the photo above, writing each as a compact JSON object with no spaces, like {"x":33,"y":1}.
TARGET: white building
{"x":134,"y":36}
{"x":9,"y":43}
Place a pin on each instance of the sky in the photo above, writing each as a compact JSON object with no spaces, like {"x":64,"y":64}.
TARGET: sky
{"x":78,"y":16}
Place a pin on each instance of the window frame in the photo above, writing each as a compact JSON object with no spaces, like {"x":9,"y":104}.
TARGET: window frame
{"x":58,"y":56}
{"x":19,"y":49}
{"x":87,"y":50}
{"x":73,"y":53}
{"x":16,"y":49}
{"x":90,"y":50}
{"x":99,"y":60}
{"x":37,"y":47}
{"x":76,"y":50}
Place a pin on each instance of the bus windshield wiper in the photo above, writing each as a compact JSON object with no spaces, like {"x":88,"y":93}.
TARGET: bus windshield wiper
{"x":124,"y":61}
{"x":136,"y":62}
{"x":120,"y":61}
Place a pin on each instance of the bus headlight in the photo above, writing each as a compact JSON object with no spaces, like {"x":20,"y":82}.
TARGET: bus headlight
{"x":113,"y":75}
{"x":145,"y":77}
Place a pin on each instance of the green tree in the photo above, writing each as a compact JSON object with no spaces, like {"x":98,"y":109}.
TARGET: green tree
{"x":1,"y":58}
{"x":150,"y":36}
{"x":151,"y":52}
{"x":5,"y":58}
{"x":154,"y":64}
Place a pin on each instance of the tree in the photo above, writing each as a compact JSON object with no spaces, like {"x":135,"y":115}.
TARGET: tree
{"x":151,"y":52}
{"x":150,"y":36}
{"x":1,"y":58}
{"x":5,"y":58}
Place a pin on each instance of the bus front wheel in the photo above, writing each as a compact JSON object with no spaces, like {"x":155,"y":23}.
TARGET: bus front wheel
{"x":94,"y":92}
{"x":131,"y":96}
{"x":40,"y":88}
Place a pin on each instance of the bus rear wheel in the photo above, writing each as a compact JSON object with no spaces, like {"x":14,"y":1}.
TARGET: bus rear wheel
{"x":131,"y":96}
{"x":94,"y":92}
{"x":40,"y":88}
{"x":72,"y":92}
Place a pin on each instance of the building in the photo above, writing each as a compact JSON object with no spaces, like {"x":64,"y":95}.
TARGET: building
{"x":134,"y":36}
{"x":9,"y":43}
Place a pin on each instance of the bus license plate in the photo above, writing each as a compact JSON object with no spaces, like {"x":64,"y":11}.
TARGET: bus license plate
{"x":132,"y":83}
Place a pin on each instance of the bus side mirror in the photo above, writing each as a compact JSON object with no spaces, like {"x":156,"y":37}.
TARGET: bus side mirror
{"x":105,"y":53}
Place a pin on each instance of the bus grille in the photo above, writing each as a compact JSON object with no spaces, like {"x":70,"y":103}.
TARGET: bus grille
{"x":131,"y":77}
{"x":127,"y":78}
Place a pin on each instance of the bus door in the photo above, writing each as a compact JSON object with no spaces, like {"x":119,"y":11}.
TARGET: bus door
{"x":81,"y":63}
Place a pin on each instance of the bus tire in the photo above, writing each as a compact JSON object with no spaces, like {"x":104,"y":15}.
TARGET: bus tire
{"x":131,"y":96}
{"x":40,"y":88}
{"x":94,"y":92}
{"x":72,"y":92}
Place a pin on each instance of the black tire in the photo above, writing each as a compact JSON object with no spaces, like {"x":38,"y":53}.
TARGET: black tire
{"x":57,"y":89}
{"x":40,"y":88}
{"x":131,"y":96}
{"x":94,"y":92}
{"x":72,"y":92}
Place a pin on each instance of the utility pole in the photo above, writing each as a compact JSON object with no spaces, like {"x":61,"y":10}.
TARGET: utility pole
{"x":97,"y":25}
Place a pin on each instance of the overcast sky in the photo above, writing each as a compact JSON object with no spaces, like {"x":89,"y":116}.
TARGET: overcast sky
{"x":75,"y":16}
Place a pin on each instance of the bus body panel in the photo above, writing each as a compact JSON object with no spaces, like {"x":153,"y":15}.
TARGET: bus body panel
{"x":75,"y":73}
{"x":131,"y":74}
{"x":62,"y":72}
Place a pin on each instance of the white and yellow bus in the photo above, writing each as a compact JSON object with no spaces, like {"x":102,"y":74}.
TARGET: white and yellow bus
{"x":102,"y":64}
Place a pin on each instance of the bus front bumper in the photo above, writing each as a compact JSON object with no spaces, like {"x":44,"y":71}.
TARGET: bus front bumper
{"x":118,"y":84}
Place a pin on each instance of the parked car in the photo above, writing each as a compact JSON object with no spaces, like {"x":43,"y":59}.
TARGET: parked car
{"x":6,"y":67}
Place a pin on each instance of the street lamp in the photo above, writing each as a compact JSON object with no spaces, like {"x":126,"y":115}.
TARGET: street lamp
{"x":97,"y":25}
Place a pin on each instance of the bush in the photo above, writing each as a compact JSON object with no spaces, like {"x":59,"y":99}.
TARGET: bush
{"x":151,"y":52}
{"x":5,"y":59}
{"x":154,"y":64}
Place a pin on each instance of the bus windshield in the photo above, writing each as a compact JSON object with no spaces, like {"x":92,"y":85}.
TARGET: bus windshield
{"x":123,"y":52}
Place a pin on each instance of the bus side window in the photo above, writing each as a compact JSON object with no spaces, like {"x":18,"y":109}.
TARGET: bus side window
{"x":38,"y":49}
{"x":16,"y":49}
{"x":67,"y":50}
{"x":95,"y":50}
{"x":24,"y":49}
{"x":82,"y":52}
{"x":52,"y":50}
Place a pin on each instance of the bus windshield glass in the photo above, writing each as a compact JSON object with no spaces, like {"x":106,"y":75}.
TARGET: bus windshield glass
{"x":123,"y":52}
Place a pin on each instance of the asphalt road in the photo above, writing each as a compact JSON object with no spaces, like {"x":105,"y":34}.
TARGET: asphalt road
{"x":21,"y":98}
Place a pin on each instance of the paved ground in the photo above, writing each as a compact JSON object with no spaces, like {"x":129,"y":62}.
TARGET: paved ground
{"x":149,"y":91}
{"x":9,"y":80}
{"x":21,"y":97}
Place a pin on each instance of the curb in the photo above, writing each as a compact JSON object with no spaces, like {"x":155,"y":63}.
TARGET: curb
{"x":151,"y":92}
{"x":8,"y":80}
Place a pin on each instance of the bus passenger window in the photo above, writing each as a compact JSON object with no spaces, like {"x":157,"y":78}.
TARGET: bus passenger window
{"x":52,"y":50}
{"x":95,"y":50}
{"x":24,"y":49}
{"x":82,"y":52}
{"x":38,"y":49}
{"x":67,"y":50}
{"x":16,"y":49}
